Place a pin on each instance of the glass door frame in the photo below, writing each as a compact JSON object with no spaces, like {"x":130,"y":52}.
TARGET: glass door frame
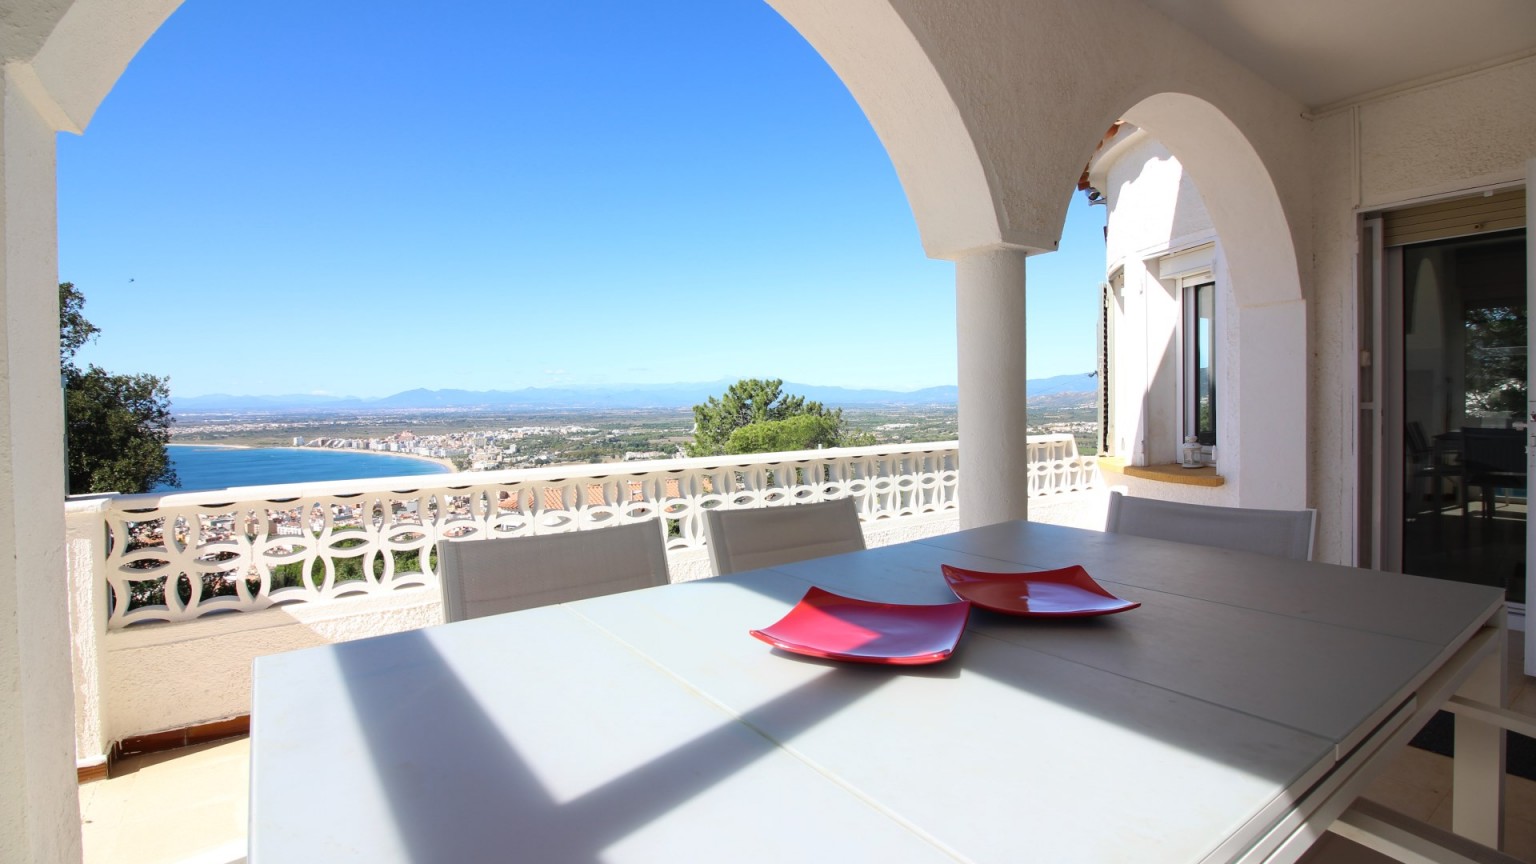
{"x":1530,"y":408}
{"x":1379,"y":418}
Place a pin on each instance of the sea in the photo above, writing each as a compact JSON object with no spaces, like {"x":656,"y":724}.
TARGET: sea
{"x":222,"y":467}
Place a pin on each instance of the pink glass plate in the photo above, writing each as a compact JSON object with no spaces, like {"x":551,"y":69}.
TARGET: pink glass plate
{"x":1066,"y":593}
{"x":835,"y":627}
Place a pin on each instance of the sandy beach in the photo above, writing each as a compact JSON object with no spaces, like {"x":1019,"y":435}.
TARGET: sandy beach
{"x":446,"y":463}
{"x":175,"y":443}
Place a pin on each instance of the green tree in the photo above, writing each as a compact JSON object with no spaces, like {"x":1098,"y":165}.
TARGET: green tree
{"x":757,"y":416}
{"x":116,"y":426}
{"x":1495,"y":367}
{"x":801,"y":432}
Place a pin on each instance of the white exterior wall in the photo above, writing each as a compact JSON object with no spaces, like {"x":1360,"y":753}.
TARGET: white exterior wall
{"x":1140,"y":487}
{"x":168,"y":676}
{"x":1156,"y":211}
{"x":1457,"y":136}
{"x":1141,"y":178}
{"x":1447,"y":138}
{"x":1451,"y":138}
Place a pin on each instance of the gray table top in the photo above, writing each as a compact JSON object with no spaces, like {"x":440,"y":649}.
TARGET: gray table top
{"x":649,"y":726}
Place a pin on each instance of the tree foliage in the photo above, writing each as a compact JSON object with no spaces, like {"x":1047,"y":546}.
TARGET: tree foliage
{"x":801,"y":432}
{"x":74,"y":330}
{"x":1495,"y":367}
{"x":757,"y":416}
{"x":116,"y":426}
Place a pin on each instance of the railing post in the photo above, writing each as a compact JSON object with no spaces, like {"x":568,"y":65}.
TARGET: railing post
{"x":85,"y":564}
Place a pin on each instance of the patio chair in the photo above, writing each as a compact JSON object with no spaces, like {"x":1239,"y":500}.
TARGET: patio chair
{"x":1493,"y":459}
{"x":1430,"y":464}
{"x":1282,"y":533}
{"x":749,"y":539}
{"x":506,"y":574}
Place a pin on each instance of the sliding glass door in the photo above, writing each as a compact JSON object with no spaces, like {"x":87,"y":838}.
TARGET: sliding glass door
{"x":1457,"y":310}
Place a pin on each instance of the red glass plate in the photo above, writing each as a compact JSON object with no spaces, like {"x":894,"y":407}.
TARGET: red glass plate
{"x":1066,"y":593}
{"x":835,"y":627}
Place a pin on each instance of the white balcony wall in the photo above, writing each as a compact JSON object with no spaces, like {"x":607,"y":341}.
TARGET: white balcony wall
{"x":1153,"y":206}
{"x":178,"y":663}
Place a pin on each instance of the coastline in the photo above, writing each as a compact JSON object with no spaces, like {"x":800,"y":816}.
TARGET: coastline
{"x":446,"y":463}
{"x":216,"y":446}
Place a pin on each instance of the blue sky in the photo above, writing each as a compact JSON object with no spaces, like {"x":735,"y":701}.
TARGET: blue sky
{"x":358,"y":198}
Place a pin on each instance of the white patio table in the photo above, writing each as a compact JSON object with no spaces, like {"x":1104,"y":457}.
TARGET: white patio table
{"x":1230,"y":718}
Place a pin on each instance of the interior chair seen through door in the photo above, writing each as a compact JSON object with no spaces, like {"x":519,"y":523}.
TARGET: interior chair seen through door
{"x":1429,"y":463}
{"x":765,"y":537}
{"x":1282,"y":533}
{"x":1493,"y":459}
{"x":506,"y":574}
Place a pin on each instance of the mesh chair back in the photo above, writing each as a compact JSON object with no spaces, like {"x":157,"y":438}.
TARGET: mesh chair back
{"x":489,"y":577}
{"x":1493,"y":451}
{"x":749,"y":539}
{"x":1282,"y":533}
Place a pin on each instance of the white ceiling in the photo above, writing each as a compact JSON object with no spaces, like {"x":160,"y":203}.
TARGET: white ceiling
{"x":1326,"y":51}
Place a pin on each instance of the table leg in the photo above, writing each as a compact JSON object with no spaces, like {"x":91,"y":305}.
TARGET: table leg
{"x":1477,"y":796}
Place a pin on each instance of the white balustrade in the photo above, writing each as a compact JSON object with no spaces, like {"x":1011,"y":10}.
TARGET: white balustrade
{"x":1056,"y":467}
{"x":180,"y":556}
{"x":318,"y":563}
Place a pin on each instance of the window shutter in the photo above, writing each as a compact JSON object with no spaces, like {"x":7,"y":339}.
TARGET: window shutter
{"x":1457,"y":217}
{"x":1185,"y":262}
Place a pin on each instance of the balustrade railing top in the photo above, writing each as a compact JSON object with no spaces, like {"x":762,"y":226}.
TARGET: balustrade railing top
{"x":177,"y":556}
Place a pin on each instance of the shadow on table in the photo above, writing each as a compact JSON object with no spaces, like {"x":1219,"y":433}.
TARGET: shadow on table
{"x":466,"y":795}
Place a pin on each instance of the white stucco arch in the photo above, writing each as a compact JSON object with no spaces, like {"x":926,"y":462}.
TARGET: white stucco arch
{"x":890,"y":75}
{"x":1265,"y":437}
{"x":87,"y":50}
{"x":988,"y":111}
{"x":1238,"y":191}
{"x":989,"y":117}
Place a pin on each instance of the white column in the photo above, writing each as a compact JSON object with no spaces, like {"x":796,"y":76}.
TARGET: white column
{"x":994,"y":459}
{"x":39,"y":807}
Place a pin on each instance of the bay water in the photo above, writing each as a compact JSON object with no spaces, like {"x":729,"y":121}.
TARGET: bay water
{"x":201,"y":467}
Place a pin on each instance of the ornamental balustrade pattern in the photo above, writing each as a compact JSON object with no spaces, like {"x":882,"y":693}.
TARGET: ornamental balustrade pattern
{"x":181,"y":556}
{"x":1055,"y":466}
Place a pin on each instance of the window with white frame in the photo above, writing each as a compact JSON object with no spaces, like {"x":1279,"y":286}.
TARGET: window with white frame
{"x":1199,"y":366}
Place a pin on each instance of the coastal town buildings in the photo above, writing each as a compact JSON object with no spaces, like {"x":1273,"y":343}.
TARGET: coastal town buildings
{"x":474,"y":450}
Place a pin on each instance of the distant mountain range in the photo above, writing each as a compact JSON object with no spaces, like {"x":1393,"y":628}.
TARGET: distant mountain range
{"x":1061,"y":390}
